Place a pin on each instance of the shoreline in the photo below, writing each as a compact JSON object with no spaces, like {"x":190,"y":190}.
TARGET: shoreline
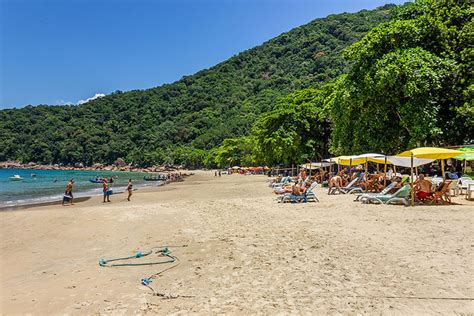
{"x":82,"y":191}
{"x":80,"y":198}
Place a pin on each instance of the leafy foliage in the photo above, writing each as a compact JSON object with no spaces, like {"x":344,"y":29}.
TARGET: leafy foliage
{"x":410,"y":83}
{"x":295,"y":131}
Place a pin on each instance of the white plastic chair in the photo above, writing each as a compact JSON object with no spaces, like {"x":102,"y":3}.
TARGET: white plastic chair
{"x":470,"y":189}
{"x":463,"y":181}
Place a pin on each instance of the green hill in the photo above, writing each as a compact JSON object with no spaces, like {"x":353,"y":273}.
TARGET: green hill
{"x":192,"y":115}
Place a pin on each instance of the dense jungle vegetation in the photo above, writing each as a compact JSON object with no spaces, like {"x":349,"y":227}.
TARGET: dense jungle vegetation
{"x":380,"y":80}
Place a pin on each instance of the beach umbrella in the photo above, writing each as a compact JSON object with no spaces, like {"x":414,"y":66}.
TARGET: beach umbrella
{"x":467,"y":155}
{"x":430,"y":153}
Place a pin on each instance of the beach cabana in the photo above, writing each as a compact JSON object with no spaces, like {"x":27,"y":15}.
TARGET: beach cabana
{"x":429,"y":153}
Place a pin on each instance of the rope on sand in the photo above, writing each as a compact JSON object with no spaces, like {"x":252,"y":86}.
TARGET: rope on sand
{"x":164,"y":252}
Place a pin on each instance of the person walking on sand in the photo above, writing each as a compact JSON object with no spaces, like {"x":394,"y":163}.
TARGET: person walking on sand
{"x":105,"y":186}
{"x":68,"y":192}
{"x":129,"y":189}
{"x":219,"y":173}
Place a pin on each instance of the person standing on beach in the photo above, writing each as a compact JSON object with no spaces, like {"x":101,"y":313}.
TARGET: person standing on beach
{"x":129,"y":189}
{"x":219,"y":173}
{"x":105,"y":186}
{"x":68,"y":191}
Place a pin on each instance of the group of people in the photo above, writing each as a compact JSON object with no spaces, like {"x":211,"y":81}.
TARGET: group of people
{"x":373,"y":183}
{"x":107,"y":191}
{"x":299,"y":187}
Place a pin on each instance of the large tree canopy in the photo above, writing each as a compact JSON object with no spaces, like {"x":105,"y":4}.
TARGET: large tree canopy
{"x":410,"y":83}
{"x":295,"y":131}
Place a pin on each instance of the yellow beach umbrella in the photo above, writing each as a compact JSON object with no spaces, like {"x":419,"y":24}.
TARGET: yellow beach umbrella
{"x":430,"y":153}
{"x":348,"y":160}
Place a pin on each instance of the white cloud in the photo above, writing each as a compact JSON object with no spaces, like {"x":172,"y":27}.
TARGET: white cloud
{"x":96,"y":96}
{"x":62,"y":102}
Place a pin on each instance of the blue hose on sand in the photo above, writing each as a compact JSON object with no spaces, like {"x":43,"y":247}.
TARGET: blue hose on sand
{"x":164,"y":252}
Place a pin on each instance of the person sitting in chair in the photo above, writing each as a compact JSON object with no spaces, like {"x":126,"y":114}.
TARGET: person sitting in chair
{"x":422,"y":188}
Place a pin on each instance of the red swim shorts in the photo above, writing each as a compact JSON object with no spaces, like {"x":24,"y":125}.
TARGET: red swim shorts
{"x":422,"y":195}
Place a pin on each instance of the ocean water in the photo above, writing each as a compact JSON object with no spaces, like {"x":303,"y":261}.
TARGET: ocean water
{"x":49,"y":185}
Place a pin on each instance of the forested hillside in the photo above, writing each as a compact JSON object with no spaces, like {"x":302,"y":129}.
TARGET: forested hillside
{"x":182,"y":121}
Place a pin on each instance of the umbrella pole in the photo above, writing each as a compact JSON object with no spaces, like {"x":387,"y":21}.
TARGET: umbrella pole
{"x":365,"y":175}
{"x":395,"y":169}
{"x":350,"y":170}
{"x":385,"y":173}
{"x":442,"y":168}
{"x":465,"y":165}
{"x":377,"y":167}
{"x":411,"y":184}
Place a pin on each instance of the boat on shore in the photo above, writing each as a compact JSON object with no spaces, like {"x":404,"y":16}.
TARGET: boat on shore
{"x":96,"y":180}
{"x":155,"y":177}
{"x":16,"y":177}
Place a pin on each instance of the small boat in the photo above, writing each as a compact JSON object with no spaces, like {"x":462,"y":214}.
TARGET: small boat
{"x":100,"y":180}
{"x":153,"y":177}
{"x":33,"y":175}
{"x":16,"y":178}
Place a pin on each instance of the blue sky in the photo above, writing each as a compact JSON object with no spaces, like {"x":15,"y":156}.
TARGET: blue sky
{"x":58,"y":51}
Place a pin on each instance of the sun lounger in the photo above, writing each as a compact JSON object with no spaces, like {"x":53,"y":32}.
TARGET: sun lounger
{"x":307,"y":196}
{"x":348,"y":189}
{"x":401,"y":196}
{"x":280,"y":185}
{"x":363,"y":196}
{"x":442,"y":194}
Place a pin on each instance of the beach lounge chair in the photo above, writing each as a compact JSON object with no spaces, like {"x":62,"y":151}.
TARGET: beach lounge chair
{"x":441,"y":194}
{"x":401,"y":196}
{"x":363,"y":196}
{"x":349,"y":188}
{"x":308,"y":196}
{"x":280,"y":185}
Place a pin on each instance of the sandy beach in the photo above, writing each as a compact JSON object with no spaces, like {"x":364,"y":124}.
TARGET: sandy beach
{"x":240,"y":252}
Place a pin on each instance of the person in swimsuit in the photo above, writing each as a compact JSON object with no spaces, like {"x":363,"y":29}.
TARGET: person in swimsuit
{"x":129,"y":189}
{"x":422,"y":188}
{"x":105,"y":186}
{"x":336,"y":182}
{"x":68,"y":191}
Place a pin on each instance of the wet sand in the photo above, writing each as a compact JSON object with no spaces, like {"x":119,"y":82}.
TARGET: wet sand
{"x":240,"y":252}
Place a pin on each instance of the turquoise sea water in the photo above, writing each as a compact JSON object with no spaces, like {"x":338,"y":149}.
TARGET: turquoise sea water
{"x":49,"y":185}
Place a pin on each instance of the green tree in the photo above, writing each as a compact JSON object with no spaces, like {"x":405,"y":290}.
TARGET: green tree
{"x":296,"y":130}
{"x":409,"y":82}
